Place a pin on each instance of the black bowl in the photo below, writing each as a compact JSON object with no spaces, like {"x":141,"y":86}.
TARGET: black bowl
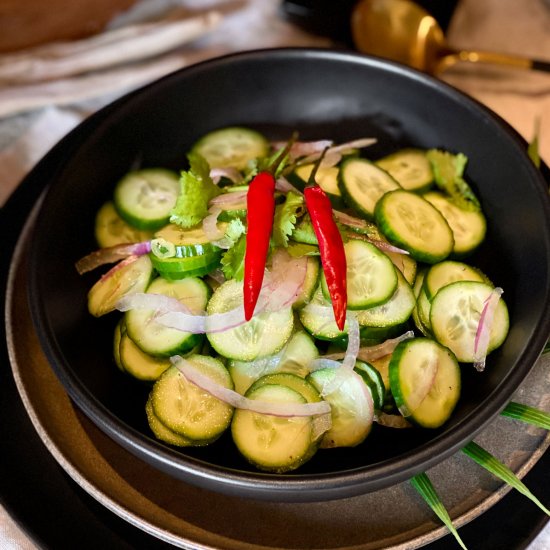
{"x":323,"y":94}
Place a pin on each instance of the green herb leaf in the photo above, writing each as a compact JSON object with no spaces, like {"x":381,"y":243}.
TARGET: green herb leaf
{"x":234,"y":230}
{"x":298,"y":250}
{"x":232,"y":262}
{"x":448,"y":170}
{"x":546,"y":347}
{"x":424,"y":486}
{"x":196,"y":189}
{"x":491,"y":464}
{"x":527,"y":414}
{"x":285,"y":218}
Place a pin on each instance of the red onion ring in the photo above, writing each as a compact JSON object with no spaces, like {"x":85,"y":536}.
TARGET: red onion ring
{"x":111,"y":254}
{"x":483,"y":332}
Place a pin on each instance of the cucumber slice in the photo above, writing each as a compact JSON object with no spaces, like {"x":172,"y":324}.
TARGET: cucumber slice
{"x":425,"y":381}
{"x":161,"y":341}
{"x":139,"y":364}
{"x":322,"y":327}
{"x":410,"y":168}
{"x":394,"y":311}
{"x":351,"y":411}
{"x":120,"y":329}
{"x":373,"y":379}
{"x":297,"y":383}
{"x":447,"y":272}
{"x":177,"y":253}
{"x":163,"y":433}
{"x":144,"y":198}
{"x":294,"y":358}
{"x":111,"y":229}
{"x":407,"y":265}
{"x":371,"y":275}
{"x":421,"y":312}
{"x":326,"y":177}
{"x":263,"y":335}
{"x":455,"y":314}
{"x":231,"y":147}
{"x":468,"y":226}
{"x":187,"y":409}
{"x":411,"y":222}
{"x":313,"y":268}
{"x":272,"y":443}
{"x":122,"y":279}
{"x":363,"y":184}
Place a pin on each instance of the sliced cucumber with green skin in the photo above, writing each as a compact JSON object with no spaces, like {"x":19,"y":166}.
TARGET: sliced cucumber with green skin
{"x":271,"y":443}
{"x":163,"y":433}
{"x":139,"y":364}
{"x":371,"y":275}
{"x":187,"y":409}
{"x":265,"y":334}
{"x":410,"y":168}
{"x":468,"y":226}
{"x":421,"y":312}
{"x":394,"y":311}
{"x":351,"y":411}
{"x":363,"y":184}
{"x":120,"y":329}
{"x":373,"y":379}
{"x":311,"y":281}
{"x":404,"y":263}
{"x":411,"y":222}
{"x":297,"y":383}
{"x":177,"y":253}
{"x":455,"y":313}
{"x":322,"y":327}
{"x":124,"y":278}
{"x":326,"y":177}
{"x":425,"y":381}
{"x":156,"y":339}
{"x":111,"y":229}
{"x":447,"y":272}
{"x":294,"y":358}
{"x":144,"y":198}
{"x":231,"y":147}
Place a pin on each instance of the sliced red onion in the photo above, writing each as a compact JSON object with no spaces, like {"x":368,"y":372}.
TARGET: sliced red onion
{"x":280,"y":289}
{"x":111,"y":254}
{"x":211,"y":229}
{"x":123,"y":263}
{"x":385,"y":246}
{"x":352,"y":221}
{"x":483,"y":332}
{"x":304,"y":148}
{"x":216,"y":174}
{"x":422,"y":387}
{"x":217,"y":276}
{"x":392,"y":420}
{"x":235,"y":200}
{"x":238,"y":401}
{"x":371,"y":353}
{"x":335,"y":152}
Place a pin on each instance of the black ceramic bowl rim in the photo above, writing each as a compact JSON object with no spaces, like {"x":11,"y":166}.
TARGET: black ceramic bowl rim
{"x":295,"y":487}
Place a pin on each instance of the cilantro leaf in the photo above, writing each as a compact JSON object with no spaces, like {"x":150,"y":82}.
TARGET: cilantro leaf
{"x":235,"y":228}
{"x":286,"y":215}
{"x":196,"y":189}
{"x":233,"y":260}
{"x":448,"y":172}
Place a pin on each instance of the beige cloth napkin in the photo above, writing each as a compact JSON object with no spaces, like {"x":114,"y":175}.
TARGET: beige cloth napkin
{"x":500,"y":25}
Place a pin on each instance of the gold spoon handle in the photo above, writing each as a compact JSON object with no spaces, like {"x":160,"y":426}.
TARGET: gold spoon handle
{"x":471,"y":56}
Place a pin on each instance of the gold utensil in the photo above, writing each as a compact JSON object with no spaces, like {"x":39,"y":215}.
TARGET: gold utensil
{"x":403,"y":31}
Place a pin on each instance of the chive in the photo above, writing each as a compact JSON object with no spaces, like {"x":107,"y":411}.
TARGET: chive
{"x":491,"y":464}
{"x":527,"y":414}
{"x":423,"y":485}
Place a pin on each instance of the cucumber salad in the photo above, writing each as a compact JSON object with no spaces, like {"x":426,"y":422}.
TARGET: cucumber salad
{"x":292,"y":375}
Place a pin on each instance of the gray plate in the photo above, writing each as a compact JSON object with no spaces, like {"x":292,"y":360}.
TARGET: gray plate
{"x":190,"y":517}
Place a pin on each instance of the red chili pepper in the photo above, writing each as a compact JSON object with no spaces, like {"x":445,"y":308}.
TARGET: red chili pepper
{"x":260,"y":202}
{"x":331,"y":246}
